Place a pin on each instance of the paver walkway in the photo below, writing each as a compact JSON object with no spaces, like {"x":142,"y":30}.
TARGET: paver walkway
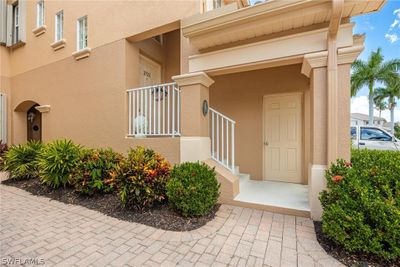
{"x":53,"y":233}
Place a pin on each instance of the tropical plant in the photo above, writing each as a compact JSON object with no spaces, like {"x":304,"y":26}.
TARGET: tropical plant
{"x":361,"y":207}
{"x":97,"y":171}
{"x":143,"y":178}
{"x":21,"y":160}
{"x":397,"y":130}
{"x":193,"y":189}
{"x":391,"y":92}
{"x":380,"y":104}
{"x":3,"y":150}
{"x":367,"y":73}
{"x":57,"y":161}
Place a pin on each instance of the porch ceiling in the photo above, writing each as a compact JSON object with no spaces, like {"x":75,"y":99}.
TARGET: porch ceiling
{"x":232,"y":24}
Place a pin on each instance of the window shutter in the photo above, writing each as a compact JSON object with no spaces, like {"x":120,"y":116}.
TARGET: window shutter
{"x":22,"y":20}
{"x":3,"y":21}
{"x":9,"y":14}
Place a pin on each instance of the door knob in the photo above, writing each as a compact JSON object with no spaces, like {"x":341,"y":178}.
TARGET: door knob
{"x":266,"y":143}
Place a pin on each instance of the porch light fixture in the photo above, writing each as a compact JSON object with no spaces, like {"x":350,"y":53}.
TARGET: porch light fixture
{"x":205,"y":108}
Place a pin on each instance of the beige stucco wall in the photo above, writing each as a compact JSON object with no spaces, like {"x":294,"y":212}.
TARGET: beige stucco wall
{"x":240,"y":97}
{"x":87,"y":98}
{"x":108,"y":21}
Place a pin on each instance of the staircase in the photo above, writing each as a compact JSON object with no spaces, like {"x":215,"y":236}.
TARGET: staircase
{"x":223,"y":140}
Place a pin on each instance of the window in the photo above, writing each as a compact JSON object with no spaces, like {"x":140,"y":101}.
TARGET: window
{"x":353,"y":133}
{"x":213,"y":4}
{"x":40,"y":13}
{"x":82,"y":36}
{"x":59,"y":26}
{"x":374,"y":134}
{"x":15,"y":23}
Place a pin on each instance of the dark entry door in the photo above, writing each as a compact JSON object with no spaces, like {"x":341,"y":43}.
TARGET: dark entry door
{"x":34,"y":123}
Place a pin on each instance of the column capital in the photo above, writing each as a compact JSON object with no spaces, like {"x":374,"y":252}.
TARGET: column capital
{"x":193,"y":78}
{"x":346,"y":55}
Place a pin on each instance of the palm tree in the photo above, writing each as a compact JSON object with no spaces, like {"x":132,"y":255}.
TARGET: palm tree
{"x":380,"y":104}
{"x":367,"y":73}
{"x":391,"y":92}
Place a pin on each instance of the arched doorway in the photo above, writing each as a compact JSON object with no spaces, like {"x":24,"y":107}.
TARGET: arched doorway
{"x":33,"y":119}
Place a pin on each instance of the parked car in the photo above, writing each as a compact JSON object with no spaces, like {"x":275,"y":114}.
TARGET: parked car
{"x":373,"y":137}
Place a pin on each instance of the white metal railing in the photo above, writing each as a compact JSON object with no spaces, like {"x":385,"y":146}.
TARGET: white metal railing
{"x":154,"y":110}
{"x":3,"y":118}
{"x":223,"y":139}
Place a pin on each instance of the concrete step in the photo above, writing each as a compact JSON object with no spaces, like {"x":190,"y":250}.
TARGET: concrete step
{"x":243,"y":178}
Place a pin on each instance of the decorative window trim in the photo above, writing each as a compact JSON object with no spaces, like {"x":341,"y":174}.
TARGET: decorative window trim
{"x":58,"y":44}
{"x":39,"y":30}
{"x":81,"y":54}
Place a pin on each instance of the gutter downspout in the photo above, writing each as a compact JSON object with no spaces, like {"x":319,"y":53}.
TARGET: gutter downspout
{"x":332,"y":81}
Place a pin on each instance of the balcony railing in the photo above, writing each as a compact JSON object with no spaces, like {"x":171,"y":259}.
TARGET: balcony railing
{"x":154,"y":110}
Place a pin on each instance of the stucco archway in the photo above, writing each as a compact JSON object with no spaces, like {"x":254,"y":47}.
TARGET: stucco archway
{"x":30,"y":118}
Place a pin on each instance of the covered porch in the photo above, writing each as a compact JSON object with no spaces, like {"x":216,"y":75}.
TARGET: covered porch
{"x":263,"y":106}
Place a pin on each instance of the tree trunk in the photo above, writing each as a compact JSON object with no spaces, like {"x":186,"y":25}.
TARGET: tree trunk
{"x":380,"y":113}
{"x":371,"y":109}
{"x":392,"y":118}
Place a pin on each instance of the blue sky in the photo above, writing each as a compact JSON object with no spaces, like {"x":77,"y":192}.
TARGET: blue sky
{"x":382,"y":29}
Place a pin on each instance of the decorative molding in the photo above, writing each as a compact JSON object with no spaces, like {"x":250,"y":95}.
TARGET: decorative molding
{"x":193,"y":78}
{"x":43,"y":108}
{"x":58,"y":44}
{"x":81,"y":54}
{"x":346,"y":55}
{"x":39,"y":30}
{"x":295,"y":45}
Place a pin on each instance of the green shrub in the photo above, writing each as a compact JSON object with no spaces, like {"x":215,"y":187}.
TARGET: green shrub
{"x":97,"y":171}
{"x":3,"y":150}
{"x":57,"y":161}
{"x":143,"y":178}
{"x":362,"y":203}
{"x":193,"y":189}
{"x":21,"y":160}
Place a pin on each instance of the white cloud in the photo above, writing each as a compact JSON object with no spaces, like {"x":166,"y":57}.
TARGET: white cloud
{"x":392,"y":38}
{"x":395,"y":22}
{"x":397,"y":12}
{"x":392,"y":35}
{"x":359,"y":104}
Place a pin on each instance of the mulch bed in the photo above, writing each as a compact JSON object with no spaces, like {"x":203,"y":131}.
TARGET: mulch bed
{"x":353,"y":259}
{"x":160,"y":216}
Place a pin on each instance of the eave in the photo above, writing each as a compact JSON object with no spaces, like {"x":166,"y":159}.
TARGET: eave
{"x":231,"y":24}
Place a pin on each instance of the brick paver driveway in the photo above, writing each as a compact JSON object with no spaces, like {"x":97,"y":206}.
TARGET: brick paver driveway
{"x":53,"y":233}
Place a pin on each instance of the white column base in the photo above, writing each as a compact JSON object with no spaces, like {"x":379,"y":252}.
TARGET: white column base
{"x":195,"y":148}
{"x":316,"y":183}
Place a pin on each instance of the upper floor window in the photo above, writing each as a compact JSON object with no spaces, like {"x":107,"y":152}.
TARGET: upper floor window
{"x":82,"y":33}
{"x":59,"y":26}
{"x":40,"y":13}
{"x":213,"y":4}
{"x":15,"y":23}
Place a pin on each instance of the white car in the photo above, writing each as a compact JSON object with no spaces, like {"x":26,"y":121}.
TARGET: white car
{"x":373,"y":137}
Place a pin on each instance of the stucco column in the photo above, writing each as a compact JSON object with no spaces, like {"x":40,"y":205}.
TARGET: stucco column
{"x":195,"y":134}
{"x":318,"y":142}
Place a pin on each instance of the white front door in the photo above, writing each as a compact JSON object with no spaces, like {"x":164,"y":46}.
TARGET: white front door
{"x":150,"y":72}
{"x":283,"y":137}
